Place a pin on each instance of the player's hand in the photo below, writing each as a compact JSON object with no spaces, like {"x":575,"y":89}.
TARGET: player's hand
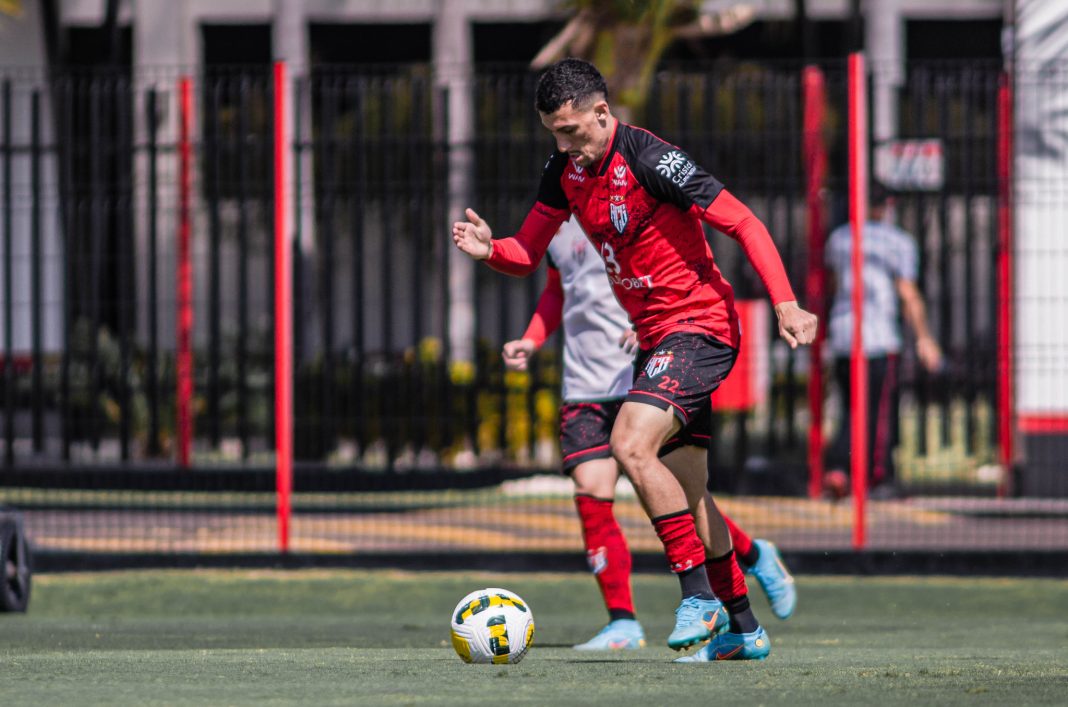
{"x":628,"y":341}
{"x":796,"y":326}
{"x":473,"y":236}
{"x":517,"y":354}
{"x":929,"y":353}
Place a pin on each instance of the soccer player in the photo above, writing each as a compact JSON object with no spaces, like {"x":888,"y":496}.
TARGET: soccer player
{"x":598,"y":369}
{"x":641,"y":202}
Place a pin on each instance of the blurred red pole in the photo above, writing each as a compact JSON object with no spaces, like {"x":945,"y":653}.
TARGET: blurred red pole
{"x":184,"y":363}
{"x":814,"y":154}
{"x":283,"y":317}
{"x":1005,"y":264}
{"x":858,"y":365}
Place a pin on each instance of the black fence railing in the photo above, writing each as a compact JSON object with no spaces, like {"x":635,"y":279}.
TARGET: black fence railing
{"x":90,"y":357}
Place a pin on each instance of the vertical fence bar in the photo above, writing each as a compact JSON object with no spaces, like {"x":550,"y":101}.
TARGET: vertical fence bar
{"x":921,"y":382}
{"x":151,"y":108}
{"x":70,"y":221}
{"x":858,"y":203}
{"x":96,"y":196}
{"x":357,"y":155}
{"x":970,"y":154}
{"x":9,"y":309}
{"x":327,"y":199}
{"x":184,"y":367}
{"x":36,"y":304}
{"x":390,"y":407}
{"x":214,"y":313}
{"x":122,"y":156}
{"x":300,"y":100}
{"x":283,"y":315}
{"x":1005,"y":310}
{"x":244,"y":256}
{"x":213,"y":193}
{"x":945,"y":384}
{"x":417,"y":154}
{"x":815,"y":164}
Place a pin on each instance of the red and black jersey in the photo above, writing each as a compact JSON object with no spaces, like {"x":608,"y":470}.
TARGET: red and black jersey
{"x":642,"y":208}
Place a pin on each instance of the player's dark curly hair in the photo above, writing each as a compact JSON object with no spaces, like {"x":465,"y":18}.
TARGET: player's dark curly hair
{"x":572,"y":80}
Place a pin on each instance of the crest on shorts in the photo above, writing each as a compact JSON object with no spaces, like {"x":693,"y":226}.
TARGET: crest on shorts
{"x":658,"y":363}
{"x":618,"y":212}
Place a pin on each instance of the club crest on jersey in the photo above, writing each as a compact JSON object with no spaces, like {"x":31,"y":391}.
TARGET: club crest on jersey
{"x":658,"y":363}
{"x":618,"y":213}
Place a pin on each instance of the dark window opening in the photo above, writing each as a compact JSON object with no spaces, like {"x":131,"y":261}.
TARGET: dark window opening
{"x":369,"y":44}
{"x":236,"y":110}
{"x":95,"y":122}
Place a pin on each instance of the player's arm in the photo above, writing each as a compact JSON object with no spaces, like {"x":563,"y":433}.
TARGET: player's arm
{"x":520,"y":254}
{"x":545,"y":320}
{"x":670,"y":175}
{"x":729,"y":215}
{"x":915,"y":311}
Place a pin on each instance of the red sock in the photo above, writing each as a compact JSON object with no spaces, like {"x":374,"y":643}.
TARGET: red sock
{"x":726,"y":578}
{"x":743,"y":544}
{"x":607,"y":552}
{"x":684,"y":549}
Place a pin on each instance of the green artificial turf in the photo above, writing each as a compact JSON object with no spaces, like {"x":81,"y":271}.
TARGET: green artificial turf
{"x":381,"y":638}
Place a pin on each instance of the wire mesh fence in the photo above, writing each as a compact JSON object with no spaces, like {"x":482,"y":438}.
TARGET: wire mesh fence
{"x":399,"y":445}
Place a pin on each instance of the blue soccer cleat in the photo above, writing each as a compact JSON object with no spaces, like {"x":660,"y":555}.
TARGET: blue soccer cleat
{"x":696,"y":620}
{"x":775,"y":580}
{"x":618,"y":635}
{"x":732,"y":646}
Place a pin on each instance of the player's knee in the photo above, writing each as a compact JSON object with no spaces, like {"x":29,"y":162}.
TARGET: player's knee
{"x":632,"y":452}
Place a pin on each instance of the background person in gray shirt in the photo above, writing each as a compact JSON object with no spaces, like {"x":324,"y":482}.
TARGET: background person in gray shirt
{"x":890,"y":270}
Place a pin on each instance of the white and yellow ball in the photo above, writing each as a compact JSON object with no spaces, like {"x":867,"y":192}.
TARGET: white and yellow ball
{"x":492,"y":626}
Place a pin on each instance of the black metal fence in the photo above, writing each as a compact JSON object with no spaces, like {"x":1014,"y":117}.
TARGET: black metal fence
{"x":89,"y":199}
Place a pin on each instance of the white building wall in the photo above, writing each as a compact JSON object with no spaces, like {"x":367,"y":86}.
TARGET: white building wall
{"x":1041,"y":276}
{"x":22,"y":54}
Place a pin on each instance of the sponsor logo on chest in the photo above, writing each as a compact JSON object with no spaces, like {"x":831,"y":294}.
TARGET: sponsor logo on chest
{"x":577,"y":174}
{"x":619,"y":176}
{"x":658,"y":363}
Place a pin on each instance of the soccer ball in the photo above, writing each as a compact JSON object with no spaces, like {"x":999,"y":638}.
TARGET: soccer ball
{"x":492,"y":626}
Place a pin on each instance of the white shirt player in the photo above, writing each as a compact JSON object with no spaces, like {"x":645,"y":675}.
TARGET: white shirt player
{"x":595,"y":366}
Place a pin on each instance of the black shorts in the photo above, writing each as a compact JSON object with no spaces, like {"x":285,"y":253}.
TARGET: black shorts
{"x":586,"y":428}
{"x":681,"y":373}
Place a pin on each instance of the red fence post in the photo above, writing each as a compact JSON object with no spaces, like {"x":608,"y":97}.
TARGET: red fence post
{"x":184,"y":362}
{"x":1005,"y":398}
{"x":814,"y":155}
{"x":858,"y":364}
{"x":283,"y":317}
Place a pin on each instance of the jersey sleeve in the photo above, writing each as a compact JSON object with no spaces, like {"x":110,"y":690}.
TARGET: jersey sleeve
{"x":520,"y":254}
{"x":549,"y":312}
{"x":734,"y":218}
{"x":669,"y":174}
{"x":550,"y":192}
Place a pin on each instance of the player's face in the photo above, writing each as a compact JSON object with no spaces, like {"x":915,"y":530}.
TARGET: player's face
{"x":582,"y":133}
